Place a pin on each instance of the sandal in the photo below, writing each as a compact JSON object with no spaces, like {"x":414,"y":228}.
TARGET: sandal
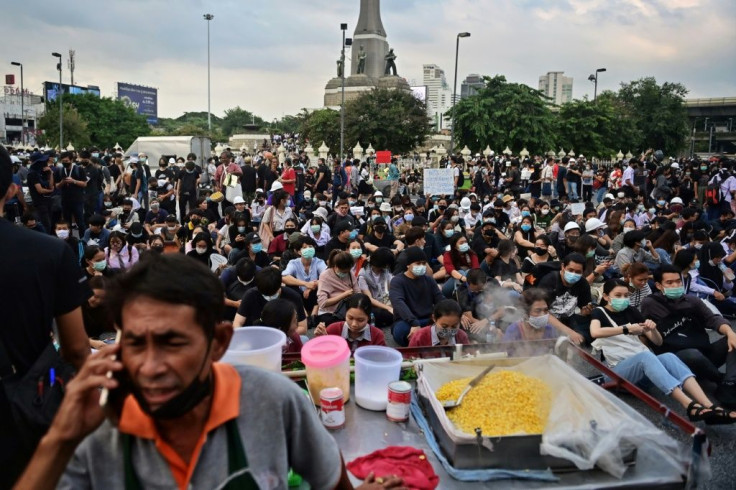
{"x":718,"y":416}
{"x":697,"y":412}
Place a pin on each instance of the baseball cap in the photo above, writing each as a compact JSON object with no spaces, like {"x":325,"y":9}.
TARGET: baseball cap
{"x":238,"y":200}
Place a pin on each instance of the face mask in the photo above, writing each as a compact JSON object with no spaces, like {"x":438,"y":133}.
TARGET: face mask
{"x":619,"y":304}
{"x":256,"y":247}
{"x":244,"y":283}
{"x":379,"y":200}
{"x":643,"y":242}
{"x":661,"y":203}
{"x":628,"y":229}
{"x":380,"y":228}
{"x":697,"y":265}
{"x":288,"y":231}
{"x":445,"y":333}
{"x":442,"y":208}
{"x":99,"y":266}
{"x":571,"y":277}
{"x":315,"y":228}
{"x":353,"y":234}
{"x":449,"y":233}
{"x":241,"y":229}
{"x":63,"y":234}
{"x":455,"y":219}
{"x":196,"y":222}
{"x":545,"y":212}
{"x":136,"y":235}
{"x":171,"y":228}
{"x":270,"y":298}
{"x":590,"y":254}
{"x":525,"y":213}
{"x":526,"y":227}
{"x":108,"y":204}
{"x":419,"y":270}
{"x":463,"y":247}
{"x":703,"y":168}
{"x":351,"y":203}
{"x":540,"y":250}
{"x":539,"y":322}
{"x":356,"y":252}
{"x":674,"y":293}
{"x":322,"y":203}
{"x":154,"y":208}
{"x":201,"y":250}
{"x":340,"y":274}
{"x":652,"y":211}
{"x":408,"y":217}
{"x":308,"y":253}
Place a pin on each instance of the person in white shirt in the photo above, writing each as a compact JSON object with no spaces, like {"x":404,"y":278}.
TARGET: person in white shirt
{"x":627,"y":181}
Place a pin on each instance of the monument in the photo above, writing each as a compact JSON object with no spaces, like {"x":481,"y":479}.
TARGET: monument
{"x":372,"y":64}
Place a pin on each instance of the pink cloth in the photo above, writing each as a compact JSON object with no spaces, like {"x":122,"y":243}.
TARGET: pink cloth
{"x":408,"y":463}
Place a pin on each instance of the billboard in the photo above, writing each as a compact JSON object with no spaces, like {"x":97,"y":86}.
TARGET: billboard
{"x":420,"y":92}
{"x":51,"y":90}
{"x":143,"y":99}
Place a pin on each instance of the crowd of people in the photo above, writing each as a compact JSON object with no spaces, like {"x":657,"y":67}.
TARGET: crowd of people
{"x":635,"y":259}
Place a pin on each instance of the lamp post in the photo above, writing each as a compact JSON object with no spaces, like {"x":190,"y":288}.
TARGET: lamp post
{"x":22,"y":105}
{"x":454,"y":90}
{"x":594,"y":79}
{"x":208,"y":18}
{"x":345,"y":42}
{"x":61,"y":107}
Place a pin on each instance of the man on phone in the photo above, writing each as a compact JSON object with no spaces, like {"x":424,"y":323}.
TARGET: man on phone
{"x":183,"y":419}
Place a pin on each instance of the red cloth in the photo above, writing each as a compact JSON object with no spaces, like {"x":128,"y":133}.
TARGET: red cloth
{"x":408,"y":463}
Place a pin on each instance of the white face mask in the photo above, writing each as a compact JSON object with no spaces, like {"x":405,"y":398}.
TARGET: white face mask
{"x":539,"y":322}
{"x":201,"y":250}
{"x":63,"y":234}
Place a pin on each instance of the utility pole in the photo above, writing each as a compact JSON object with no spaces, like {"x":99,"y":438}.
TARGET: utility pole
{"x":61,"y":103}
{"x":22,"y":104}
{"x":71,"y":63}
{"x":208,"y":18}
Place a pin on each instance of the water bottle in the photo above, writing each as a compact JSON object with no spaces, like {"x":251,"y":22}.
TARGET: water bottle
{"x":490,"y":335}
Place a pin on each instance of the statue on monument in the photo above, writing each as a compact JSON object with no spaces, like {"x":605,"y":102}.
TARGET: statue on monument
{"x":361,"y":61}
{"x":340,"y":66}
{"x":390,"y":63}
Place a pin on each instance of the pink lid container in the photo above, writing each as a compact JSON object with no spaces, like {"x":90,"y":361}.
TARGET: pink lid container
{"x":326,"y":351}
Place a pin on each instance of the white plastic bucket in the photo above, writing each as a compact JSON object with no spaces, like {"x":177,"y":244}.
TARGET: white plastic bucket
{"x":375,"y":368}
{"x":256,"y":346}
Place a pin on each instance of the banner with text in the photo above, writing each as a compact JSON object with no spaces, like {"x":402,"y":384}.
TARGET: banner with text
{"x":143,"y":99}
{"x":438,"y":181}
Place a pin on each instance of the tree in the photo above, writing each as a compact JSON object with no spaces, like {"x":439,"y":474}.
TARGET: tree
{"x":109,"y":120}
{"x":388,"y":119}
{"x":659,"y":113}
{"x":504,"y":114}
{"x":236,"y":119}
{"x":75,"y":127}
{"x":322,"y":125}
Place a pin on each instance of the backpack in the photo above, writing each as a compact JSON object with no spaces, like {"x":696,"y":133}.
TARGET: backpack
{"x":713,"y":191}
{"x":460,"y":178}
{"x":539,"y":271}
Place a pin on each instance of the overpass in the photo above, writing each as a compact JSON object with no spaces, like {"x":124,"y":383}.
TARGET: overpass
{"x":712,"y":123}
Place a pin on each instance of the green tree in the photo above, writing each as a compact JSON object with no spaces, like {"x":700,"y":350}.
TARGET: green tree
{"x":109,"y":121}
{"x":75,"y":127}
{"x":322,"y":125}
{"x":505,"y":114}
{"x":659,"y":113}
{"x":388,"y":119}
{"x":236,"y":119}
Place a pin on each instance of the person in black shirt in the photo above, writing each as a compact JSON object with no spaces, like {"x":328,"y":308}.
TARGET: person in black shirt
{"x":561,"y":178}
{"x":93,"y":191}
{"x":570,"y":291}
{"x":324,"y":176}
{"x":249,"y":180}
{"x":186,"y":189}
{"x":268,"y":287}
{"x":71,"y":181}
{"x":245,"y":271}
{"x":485,"y":241}
{"x":41,"y":186}
{"x":341,"y":236}
{"x":380,"y":237}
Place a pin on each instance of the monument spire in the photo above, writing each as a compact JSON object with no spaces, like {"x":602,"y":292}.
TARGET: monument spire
{"x":369,"y":21}
{"x":370,"y":34}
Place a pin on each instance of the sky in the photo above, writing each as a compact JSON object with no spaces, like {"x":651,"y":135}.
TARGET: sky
{"x":274,"y":57}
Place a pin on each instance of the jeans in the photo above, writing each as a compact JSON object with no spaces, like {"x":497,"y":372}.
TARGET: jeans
{"x":599,"y":194}
{"x":449,"y":286}
{"x":705,"y":362}
{"x":665,"y":371}
{"x":573,"y":190}
{"x":401,"y":330}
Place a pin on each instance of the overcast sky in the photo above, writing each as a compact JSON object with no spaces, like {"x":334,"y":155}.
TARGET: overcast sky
{"x":275,"y":57}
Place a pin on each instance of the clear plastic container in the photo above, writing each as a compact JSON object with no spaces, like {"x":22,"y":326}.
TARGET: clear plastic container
{"x":375,"y":368}
{"x":256,"y":346}
{"x":327,"y":361}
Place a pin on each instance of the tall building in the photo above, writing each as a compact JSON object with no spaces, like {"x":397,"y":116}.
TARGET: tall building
{"x":439,"y":96}
{"x":471,"y":85}
{"x":557,"y":87}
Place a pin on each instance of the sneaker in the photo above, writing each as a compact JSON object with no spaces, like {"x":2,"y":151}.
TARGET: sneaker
{"x":726,"y":394}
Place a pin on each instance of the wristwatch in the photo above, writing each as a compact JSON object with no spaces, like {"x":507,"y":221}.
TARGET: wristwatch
{"x":626,"y":329}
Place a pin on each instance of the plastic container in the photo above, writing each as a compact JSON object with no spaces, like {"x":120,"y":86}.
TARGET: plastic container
{"x":375,"y":368}
{"x":256,"y":346}
{"x":327,"y":362}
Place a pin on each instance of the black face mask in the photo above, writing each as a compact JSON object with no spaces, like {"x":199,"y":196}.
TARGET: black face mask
{"x":488,"y":233}
{"x":380,"y":229}
{"x":182,"y":403}
{"x":195,"y":222}
{"x":540,"y":250}
{"x":157,"y":249}
{"x":442,"y":208}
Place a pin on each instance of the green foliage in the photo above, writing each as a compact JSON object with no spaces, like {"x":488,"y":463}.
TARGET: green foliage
{"x":109,"y":121}
{"x":659,"y":113}
{"x":75,"y":127}
{"x":236,"y":119}
{"x":505,"y":114}
{"x":388,"y":119}
{"x":322,"y":125}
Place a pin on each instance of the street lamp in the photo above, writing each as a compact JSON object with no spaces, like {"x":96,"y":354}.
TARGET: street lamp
{"x":22,"y":105}
{"x":454,"y":91}
{"x":208,"y":18}
{"x":345,"y":42}
{"x":594,"y":79}
{"x":60,"y":94}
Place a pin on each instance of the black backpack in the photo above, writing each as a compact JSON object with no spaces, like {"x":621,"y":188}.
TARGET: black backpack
{"x":539,"y":271}
{"x":460,"y":178}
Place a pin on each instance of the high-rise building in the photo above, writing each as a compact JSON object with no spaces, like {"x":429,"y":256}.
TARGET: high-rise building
{"x":557,"y":87}
{"x":471,"y":85}
{"x":439,"y":96}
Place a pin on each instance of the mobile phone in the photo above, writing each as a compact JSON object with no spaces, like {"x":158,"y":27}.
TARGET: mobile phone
{"x":105,"y":393}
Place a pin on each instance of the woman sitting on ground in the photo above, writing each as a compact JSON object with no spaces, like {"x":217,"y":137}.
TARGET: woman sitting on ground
{"x":445,"y":329}
{"x":281,"y":315}
{"x":356,"y":328}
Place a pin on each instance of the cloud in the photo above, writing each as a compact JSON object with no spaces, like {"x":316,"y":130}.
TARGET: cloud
{"x":275,"y":58}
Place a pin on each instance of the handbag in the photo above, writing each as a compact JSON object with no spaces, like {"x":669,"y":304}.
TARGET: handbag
{"x":266,"y":232}
{"x":35,"y":396}
{"x":342,"y":307}
{"x":619,"y":347}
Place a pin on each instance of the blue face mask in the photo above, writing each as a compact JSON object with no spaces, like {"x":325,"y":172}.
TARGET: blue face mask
{"x":619,"y":304}
{"x":341,"y":275}
{"x":697,"y":265}
{"x":463,"y":247}
{"x":408,"y":217}
{"x":354,"y":234}
{"x":449,"y":233}
{"x":256,"y":247}
{"x":571,"y":277}
{"x":525,"y":213}
{"x":674,"y":293}
{"x":526,"y":227}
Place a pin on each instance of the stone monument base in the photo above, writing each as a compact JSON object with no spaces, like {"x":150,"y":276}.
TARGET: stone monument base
{"x":355,"y":85}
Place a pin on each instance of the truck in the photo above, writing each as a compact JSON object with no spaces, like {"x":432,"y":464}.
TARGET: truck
{"x":171,"y":147}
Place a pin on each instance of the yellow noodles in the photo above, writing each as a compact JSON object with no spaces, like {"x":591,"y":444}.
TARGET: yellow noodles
{"x":503,"y":403}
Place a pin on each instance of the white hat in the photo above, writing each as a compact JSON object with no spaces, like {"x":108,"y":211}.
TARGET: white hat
{"x":593,"y":224}
{"x":571,"y":226}
{"x":238,"y":200}
{"x":465,"y":203}
{"x":259,"y":190}
{"x":385,"y":207}
{"x":378,"y":194}
{"x":676,"y":200}
{"x":675,"y":165}
{"x":172,"y":160}
{"x":133,"y":159}
{"x":276,"y":186}
{"x":307,"y":194}
{"x":609,"y":196}
{"x":14,"y":159}
{"x":321,"y":212}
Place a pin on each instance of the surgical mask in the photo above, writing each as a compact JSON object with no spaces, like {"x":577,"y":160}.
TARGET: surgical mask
{"x":652,"y":211}
{"x":256,"y":248}
{"x":100,"y":266}
{"x":308,"y":252}
{"x":674,"y":293}
{"x":539,"y":322}
{"x":408,"y":217}
{"x":375,"y":217}
{"x":571,"y":277}
{"x":270,"y":298}
{"x":354,"y":234}
{"x":698,"y":246}
{"x":463,"y":247}
{"x":419,"y":270}
{"x":322,"y":203}
{"x":171,"y":228}
{"x":661,"y":203}
{"x":590,"y":254}
{"x":241,"y":229}
{"x":526,"y":227}
{"x":525,"y":213}
{"x":201,"y":250}
{"x":63,"y":234}
{"x":96,"y":155}
{"x":108,"y":204}
{"x":619,"y":304}
{"x":545,"y":211}
{"x":340,"y":274}
{"x":445,"y":333}
{"x":643,"y":242}
{"x":154,"y":207}
{"x":315,"y":228}
{"x":628,"y":229}
{"x":697,"y":265}
{"x":356,"y":252}
{"x":455,"y":219}
{"x":703,"y":168}
{"x":449,"y":233}
{"x":379,"y":200}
